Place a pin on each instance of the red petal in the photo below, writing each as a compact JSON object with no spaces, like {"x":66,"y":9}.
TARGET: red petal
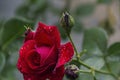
{"x":66,"y":53}
{"x":33,"y":59}
{"x":43,"y":51}
{"x":58,"y":75}
{"x":47,"y":35}
{"x":48,"y":54}
{"x":22,"y":65}
{"x":29,"y":45}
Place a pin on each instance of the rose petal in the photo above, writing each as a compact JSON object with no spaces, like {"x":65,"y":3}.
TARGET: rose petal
{"x":33,"y":59}
{"x":22,"y":65}
{"x":47,"y":35}
{"x":48,"y":54}
{"x":27,"y":47}
{"x":66,"y":53}
{"x":46,"y":69}
{"x":58,"y":75}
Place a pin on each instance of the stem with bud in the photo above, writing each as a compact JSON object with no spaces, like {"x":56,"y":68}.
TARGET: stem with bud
{"x":67,"y":23}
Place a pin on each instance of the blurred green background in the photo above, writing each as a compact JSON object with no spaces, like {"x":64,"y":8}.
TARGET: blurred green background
{"x":15,"y":14}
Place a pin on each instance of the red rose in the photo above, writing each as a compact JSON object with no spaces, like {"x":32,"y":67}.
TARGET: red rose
{"x":41,"y":56}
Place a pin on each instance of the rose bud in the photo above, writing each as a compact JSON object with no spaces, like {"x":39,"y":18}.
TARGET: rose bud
{"x":71,"y":72}
{"x":28,"y":30}
{"x":67,"y":22}
{"x":28,"y":34}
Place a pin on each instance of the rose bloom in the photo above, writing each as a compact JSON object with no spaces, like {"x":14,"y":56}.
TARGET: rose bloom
{"x":42,"y":57}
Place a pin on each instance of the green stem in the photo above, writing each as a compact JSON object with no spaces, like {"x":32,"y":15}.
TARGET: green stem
{"x":83,"y":52}
{"x":93,"y":74}
{"x":76,"y":53}
{"x":99,"y":71}
{"x":83,"y":71}
{"x":89,"y":67}
{"x":85,"y":65}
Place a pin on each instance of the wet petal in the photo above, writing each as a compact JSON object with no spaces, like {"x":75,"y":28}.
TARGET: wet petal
{"x":65,"y":55}
{"x":22,"y":64}
{"x":47,"y":35}
{"x":33,"y":59}
{"x":27,"y":47}
{"x":58,"y":75}
{"x":48,"y":54}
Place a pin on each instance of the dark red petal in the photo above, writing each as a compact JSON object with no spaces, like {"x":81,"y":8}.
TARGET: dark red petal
{"x":21,"y":64}
{"x":52,"y":57}
{"x":65,"y":55}
{"x":22,"y":67}
{"x":33,"y":59}
{"x":29,"y":45}
{"x":47,"y":35}
{"x":47,"y":69}
{"x":58,"y":75}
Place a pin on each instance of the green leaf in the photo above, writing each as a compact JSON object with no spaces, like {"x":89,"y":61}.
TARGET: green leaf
{"x":115,"y":67}
{"x":1,"y":30}
{"x":41,"y":4}
{"x":114,"y":49}
{"x":104,"y":1}
{"x":95,"y":62}
{"x":2,"y":61}
{"x":114,"y":63}
{"x":23,"y":11}
{"x":1,"y":23}
{"x":32,"y":1}
{"x":104,"y":77}
{"x":32,"y":10}
{"x":9,"y":75}
{"x":13,"y":28}
{"x":38,"y":8}
{"x":95,"y":41}
{"x":85,"y":9}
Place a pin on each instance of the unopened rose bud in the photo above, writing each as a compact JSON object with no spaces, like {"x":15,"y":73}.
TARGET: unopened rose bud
{"x":29,"y":34}
{"x":71,"y":72}
{"x":67,"y":22}
{"x":28,"y":30}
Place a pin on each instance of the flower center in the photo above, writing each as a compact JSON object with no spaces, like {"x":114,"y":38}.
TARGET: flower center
{"x":36,"y":59}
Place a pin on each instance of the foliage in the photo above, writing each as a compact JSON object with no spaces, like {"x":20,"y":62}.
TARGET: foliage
{"x":99,"y":55}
